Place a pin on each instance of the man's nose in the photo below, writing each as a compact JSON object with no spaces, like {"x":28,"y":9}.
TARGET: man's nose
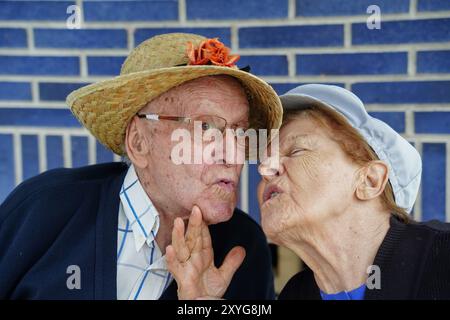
{"x":233,"y":153}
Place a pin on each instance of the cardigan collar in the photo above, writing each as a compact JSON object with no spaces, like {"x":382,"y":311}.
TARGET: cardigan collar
{"x":106,"y":237}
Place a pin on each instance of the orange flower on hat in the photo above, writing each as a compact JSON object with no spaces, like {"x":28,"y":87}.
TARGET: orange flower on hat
{"x":211,"y":51}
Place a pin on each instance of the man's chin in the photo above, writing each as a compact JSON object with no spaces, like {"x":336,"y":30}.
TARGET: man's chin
{"x":218,"y":213}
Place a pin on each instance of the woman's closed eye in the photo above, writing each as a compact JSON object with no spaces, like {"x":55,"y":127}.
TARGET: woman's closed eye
{"x":296,"y":152}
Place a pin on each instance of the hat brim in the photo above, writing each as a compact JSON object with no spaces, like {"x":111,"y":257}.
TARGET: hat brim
{"x":105,"y":108}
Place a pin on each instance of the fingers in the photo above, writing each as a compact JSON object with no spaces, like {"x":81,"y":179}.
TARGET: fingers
{"x":185,"y":245}
{"x":206,"y":237}
{"x":173,"y":265}
{"x":194,"y":230}
{"x":232,"y":262}
{"x":182,"y":252}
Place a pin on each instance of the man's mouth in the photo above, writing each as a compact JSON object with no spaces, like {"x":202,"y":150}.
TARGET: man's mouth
{"x":226,"y":184}
{"x":271,"y":192}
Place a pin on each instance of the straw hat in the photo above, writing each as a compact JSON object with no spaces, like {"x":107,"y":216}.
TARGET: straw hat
{"x":154,"y":67}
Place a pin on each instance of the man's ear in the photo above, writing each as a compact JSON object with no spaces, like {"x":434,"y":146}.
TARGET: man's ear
{"x":136,"y":145}
{"x":373,"y":179}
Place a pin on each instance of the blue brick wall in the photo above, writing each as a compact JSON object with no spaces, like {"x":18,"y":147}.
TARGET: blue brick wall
{"x":130,"y":10}
{"x":54,"y":151}
{"x":34,"y":10}
{"x":224,"y":34}
{"x":352,"y":63}
{"x":13,"y":38}
{"x":50,"y":91}
{"x":433,"y":61}
{"x":314,"y":8}
{"x":401,"y":71}
{"x":434,"y":186}
{"x":406,"y":31}
{"x":39,"y":65}
{"x":104,"y":66}
{"x":15,"y":90}
{"x":291,"y":36}
{"x":83,"y":39}
{"x":236,"y":9}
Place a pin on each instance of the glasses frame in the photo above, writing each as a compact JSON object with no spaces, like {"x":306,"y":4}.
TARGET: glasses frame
{"x":188,"y":120}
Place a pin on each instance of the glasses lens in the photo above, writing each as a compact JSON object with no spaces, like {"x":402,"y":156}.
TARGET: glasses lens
{"x":210,"y":122}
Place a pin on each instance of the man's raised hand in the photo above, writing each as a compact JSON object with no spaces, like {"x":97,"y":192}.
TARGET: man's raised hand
{"x":190,"y":259}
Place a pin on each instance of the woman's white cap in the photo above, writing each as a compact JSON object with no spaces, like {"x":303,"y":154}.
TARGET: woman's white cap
{"x":405,"y":164}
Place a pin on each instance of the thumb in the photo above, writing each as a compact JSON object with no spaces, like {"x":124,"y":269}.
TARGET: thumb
{"x":232,"y":262}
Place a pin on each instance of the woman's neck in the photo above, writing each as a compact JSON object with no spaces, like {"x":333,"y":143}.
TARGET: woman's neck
{"x":340,"y":250}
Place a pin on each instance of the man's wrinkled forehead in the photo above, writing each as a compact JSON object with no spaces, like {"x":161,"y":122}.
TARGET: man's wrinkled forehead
{"x":188,"y":97}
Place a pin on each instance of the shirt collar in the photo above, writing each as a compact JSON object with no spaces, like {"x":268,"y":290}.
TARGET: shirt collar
{"x":139,"y":210}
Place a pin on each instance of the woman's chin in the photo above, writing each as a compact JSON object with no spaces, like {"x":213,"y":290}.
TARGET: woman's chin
{"x":268,"y":223}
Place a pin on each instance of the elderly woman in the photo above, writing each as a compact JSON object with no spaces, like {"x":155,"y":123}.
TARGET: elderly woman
{"x":338,"y":194}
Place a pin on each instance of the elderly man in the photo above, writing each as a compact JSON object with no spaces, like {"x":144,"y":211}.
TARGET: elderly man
{"x":100,"y":232}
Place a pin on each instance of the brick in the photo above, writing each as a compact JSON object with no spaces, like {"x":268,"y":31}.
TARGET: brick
{"x":433,"y":5}
{"x":403,"y":92}
{"x":104,"y":66}
{"x":432,"y":122}
{"x":80,"y":38}
{"x":79,"y":151}
{"x":433,"y":61}
{"x":270,"y":65}
{"x":15,"y":90}
{"x":13,"y":38}
{"x":236,"y":9}
{"x":54,"y":91}
{"x":433,"y":181}
{"x":130,"y":10}
{"x":8,"y":180}
{"x":316,"y":8}
{"x":352,"y":63}
{"x":291,"y":36}
{"x":34,"y":10}
{"x":55,"y":152}
{"x":37,"y":117}
{"x":103,"y":154}
{"x":396,"y":120}
{"x":39,"y":65}
{"x":282,"y":88}
{"x":224,"y":34}
{"x":408,"y":31}
{"x":30,"y":156}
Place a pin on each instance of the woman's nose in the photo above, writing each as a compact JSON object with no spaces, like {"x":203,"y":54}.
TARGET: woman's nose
{"x":270,"y":167}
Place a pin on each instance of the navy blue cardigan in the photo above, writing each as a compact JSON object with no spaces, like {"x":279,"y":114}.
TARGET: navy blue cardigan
{"x":67,"y":217}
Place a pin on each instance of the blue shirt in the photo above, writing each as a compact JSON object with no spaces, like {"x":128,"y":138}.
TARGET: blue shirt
{"x":355,"y":294}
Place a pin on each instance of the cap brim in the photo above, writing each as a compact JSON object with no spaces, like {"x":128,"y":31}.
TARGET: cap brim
{"x":299,"y":102}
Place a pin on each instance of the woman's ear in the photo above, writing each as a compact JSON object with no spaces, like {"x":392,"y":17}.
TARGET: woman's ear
{"x":136,"y":145}
{"x":373,"y":179}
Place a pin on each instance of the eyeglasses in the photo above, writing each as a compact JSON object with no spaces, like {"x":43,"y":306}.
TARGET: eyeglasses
{"x":206,"y":122}
{"x":245,"y":138}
